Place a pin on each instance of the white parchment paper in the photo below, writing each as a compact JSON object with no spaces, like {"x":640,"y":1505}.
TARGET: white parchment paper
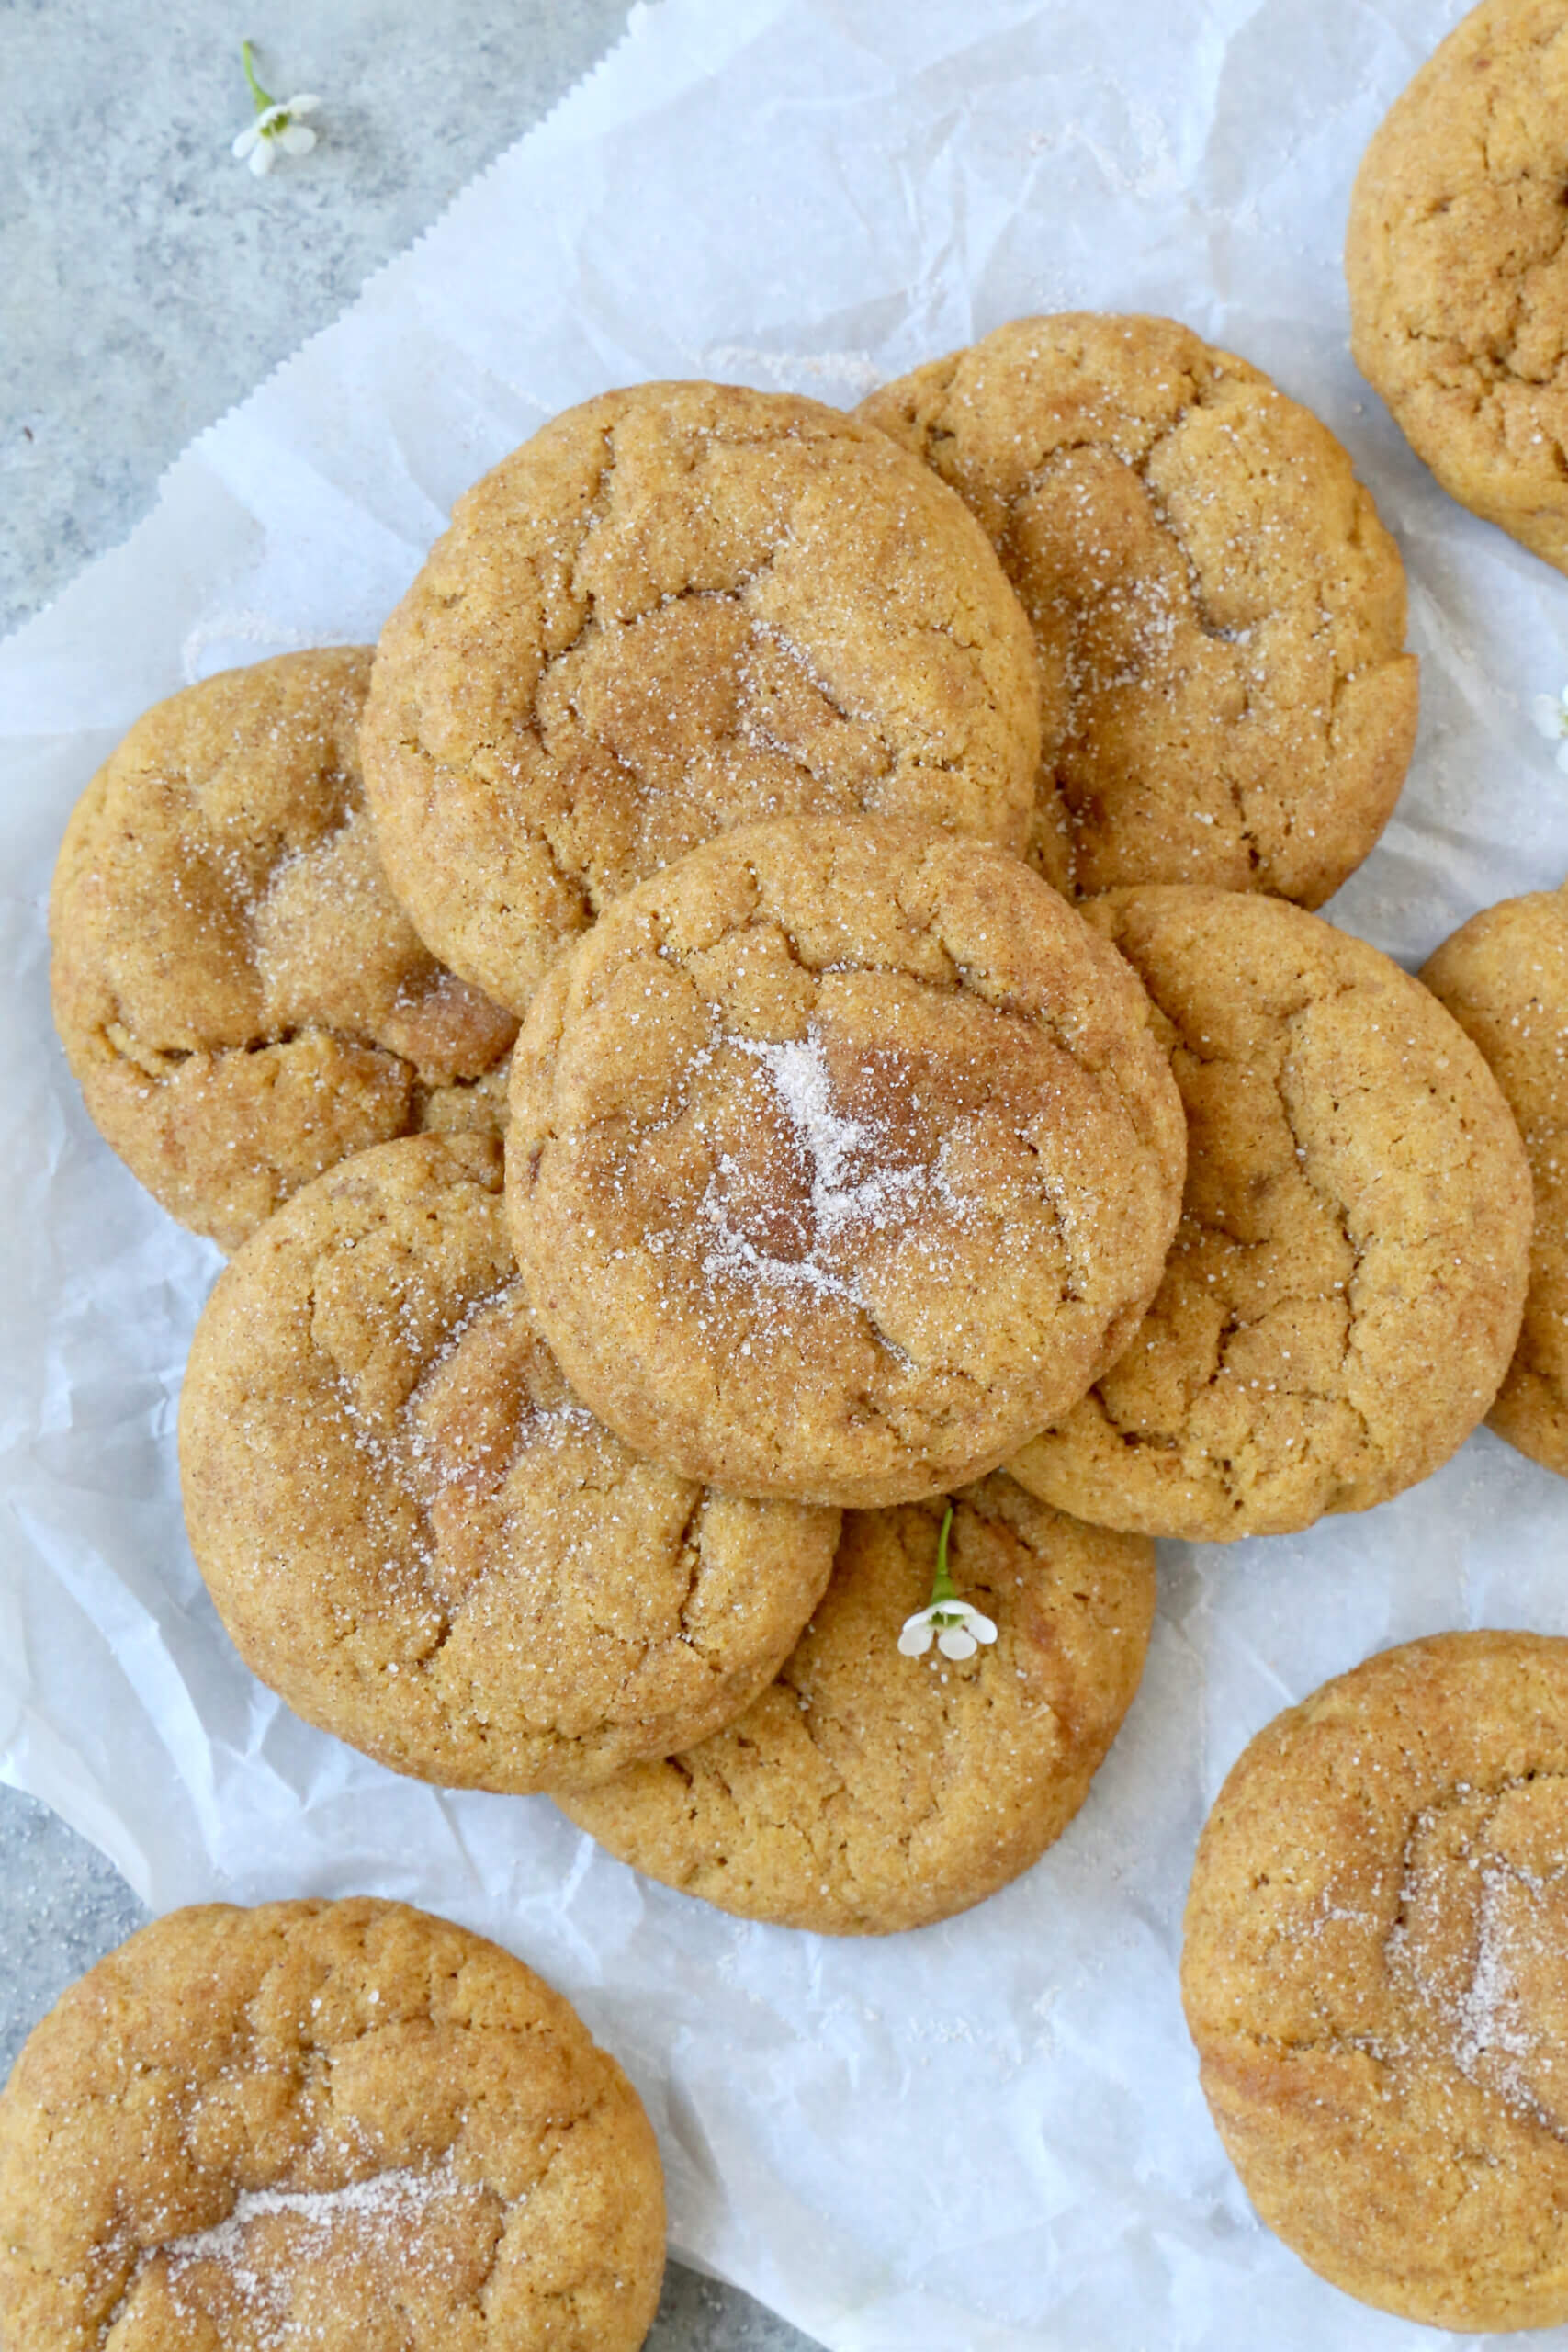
{"x":988,"y":2135}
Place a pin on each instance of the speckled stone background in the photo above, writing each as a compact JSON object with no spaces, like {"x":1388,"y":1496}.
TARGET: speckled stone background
{"x":147,"y":283}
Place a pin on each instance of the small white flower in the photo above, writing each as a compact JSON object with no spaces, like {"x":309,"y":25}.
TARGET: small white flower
{"x":959,"y":1629}
{"x":276,"y":126}
{"x":1549,"y":714}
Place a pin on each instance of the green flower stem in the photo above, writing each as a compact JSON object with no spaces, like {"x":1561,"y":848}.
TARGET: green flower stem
{"x":942,"y":1586}
{"x":262,"y":98}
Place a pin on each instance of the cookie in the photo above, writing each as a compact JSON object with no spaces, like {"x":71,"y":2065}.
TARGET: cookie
{"x":241,"y":999}
{"x":1505,"y":978}
{"x":1346,"y":1288}
{"x":416,"y":1535}
{"x":346,"y":2126}
{"x":1457,"y":269}
{"x":835,"y":1152}
{"x":1218,"y":612}
{"x":1374,"y":1969}
{"x":679,"y":608}
{"x":868,"y":1790}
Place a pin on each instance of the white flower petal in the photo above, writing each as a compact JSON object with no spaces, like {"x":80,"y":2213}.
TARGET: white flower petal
{"x":261,"y":158}
{"x":297,"y":139}
{"x":306,"y":105}
{"x":1547,"y":716}
{"x":270,"y":115}
{"x":245,"y":141}
{"x":916,"y":1637}
{"x":1563,"y":757}
{"x":981,"y":1627}
{"x":956,"y":1642}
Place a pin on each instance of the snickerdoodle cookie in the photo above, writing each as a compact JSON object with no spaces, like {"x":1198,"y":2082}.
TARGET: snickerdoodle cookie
{"x":867,"y":1791}
{"x":1376,"y":1976}
{"x":239,"y":996}
{"x":415,"y":1532}
{"x":1346,"y":1287}
{"x":1457,"y":267}
{"x":346,"y":2126}
{"x":836,"y":1150}
{"x":679,"y":608}
{"x":1219,"y":613}
{"x":1505,"y":978}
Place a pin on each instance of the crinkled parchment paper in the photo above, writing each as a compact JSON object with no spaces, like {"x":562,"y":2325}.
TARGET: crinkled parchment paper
{"x":988,"y":2134}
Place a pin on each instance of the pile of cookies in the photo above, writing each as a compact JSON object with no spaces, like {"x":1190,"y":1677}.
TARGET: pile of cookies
{"x":780,"y":1109}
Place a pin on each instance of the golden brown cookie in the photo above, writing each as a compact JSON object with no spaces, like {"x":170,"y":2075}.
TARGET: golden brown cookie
{"x":1459,"y":271}
{"x":343,"y":2126}
{"x":1376,"y":1975}
{"x":1346,"y":1287}
{"x":867,"y":1791}
{"x":1505,"y":978}
{"x":1219,"y":614}
{"x":836,"y":1151}
{"x":679,"y":608}
{"x":238,"y":996}
{"x":416,"y":1535}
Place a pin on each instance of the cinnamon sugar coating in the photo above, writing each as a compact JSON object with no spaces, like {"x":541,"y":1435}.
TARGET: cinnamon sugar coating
{"x":1218,"y":613}
{"x":836,"y":1152}
{"x":349,"y":2127}
{"x":1457,"y":267}
{"x":866,"y":1791}
{"x":1374,"y":1973}
{"x":415,"y":1532}
{"x":239,"y":997}
{"x":679,"y":608}
{"x":1345,"y":1289}
{"x":1504,"y":976}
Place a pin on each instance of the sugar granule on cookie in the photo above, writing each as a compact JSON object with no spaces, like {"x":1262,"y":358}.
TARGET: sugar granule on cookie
{"x":322,"y":2127}
{"x":241,"y":999}
{"x":836,"y":1151}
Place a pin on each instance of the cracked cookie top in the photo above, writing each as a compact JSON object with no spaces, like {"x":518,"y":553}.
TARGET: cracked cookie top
{"x":867,"y":1792}
{"x":1344,"y":1290}
{"x":416,"y":1535}
{"x":1374,"y":1966}
{"x":837,"y":1150}
{"x":1504,"y":975}
{"x":329,"y":2125}
{"x":1457,"y":259}
{"x":241,"y":999}
{"x":676,"y":609}
{"x":1218,"y":612}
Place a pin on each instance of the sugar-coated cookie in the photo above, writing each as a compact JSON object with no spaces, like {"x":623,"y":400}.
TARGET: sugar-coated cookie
{"x":1505,"y":978}
{"x":1375,"y":1974}
{"x":1218,"y":612}
{"x":836,"y":1151}
{"x":677,"y":608}
{"x":322,"y":2127}
{"x":415,"y":1532}
{"x":241,"y":999}
{"x":1345,"y":1291}
{"x":1458,"y":275}
{"x":868,"y":1790}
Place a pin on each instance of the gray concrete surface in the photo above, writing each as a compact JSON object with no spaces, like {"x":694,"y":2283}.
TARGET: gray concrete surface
{"x":148,"y":282}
